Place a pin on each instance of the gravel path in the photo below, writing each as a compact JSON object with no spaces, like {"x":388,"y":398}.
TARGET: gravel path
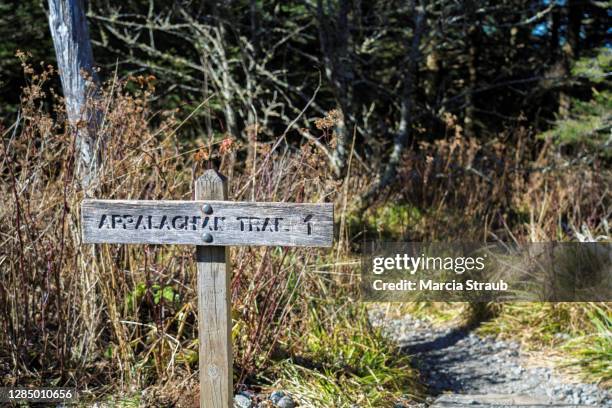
{"x":460,"y":362}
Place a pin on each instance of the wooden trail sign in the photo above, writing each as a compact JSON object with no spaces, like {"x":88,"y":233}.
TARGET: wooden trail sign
{"x":207,"y":222}
{"x":211,"y":223}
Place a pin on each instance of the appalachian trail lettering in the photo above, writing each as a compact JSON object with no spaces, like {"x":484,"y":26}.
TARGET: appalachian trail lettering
{"x":195,"y":222}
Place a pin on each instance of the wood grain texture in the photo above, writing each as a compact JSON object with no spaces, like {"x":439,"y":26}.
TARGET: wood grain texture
{"x":214,"y":309}
{"x":70,"y":35}
{"x":185,"y":222}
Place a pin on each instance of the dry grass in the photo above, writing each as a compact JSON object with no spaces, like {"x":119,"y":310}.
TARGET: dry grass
{"x":90,"y":316}
{"x":121,"y":315}
{"x":574,"y":336}
{"x":510,"y":188}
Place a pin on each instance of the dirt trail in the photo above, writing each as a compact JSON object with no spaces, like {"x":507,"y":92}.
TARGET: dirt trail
{"x":462,"y":369}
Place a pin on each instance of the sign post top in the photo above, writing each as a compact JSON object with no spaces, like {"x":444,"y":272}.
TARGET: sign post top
{"x":214,"y":183}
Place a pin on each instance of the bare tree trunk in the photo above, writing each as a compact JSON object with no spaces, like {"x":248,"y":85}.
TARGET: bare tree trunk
{"x":473,"y":40}
{"x":334,"y":37}
{"x":407,"y":107}
{"x":79,"y":81}
{"x":405,"y":125}
{"x":569,"y":53}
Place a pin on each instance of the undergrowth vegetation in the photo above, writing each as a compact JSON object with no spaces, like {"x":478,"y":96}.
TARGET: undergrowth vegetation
{"x":122,"y":315}
{"x":342,"y":361}
{"x":579,"y":335}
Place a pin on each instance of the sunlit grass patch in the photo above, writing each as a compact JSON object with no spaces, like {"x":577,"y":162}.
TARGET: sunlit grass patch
{"x":592,"y":352}
{"x":434,"y":312}
{"x":343,"y":361}
{"x":580,"y":334}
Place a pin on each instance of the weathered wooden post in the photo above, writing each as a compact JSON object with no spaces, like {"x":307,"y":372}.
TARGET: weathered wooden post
{"x":211,"y":223}
{"x":214,"y":309}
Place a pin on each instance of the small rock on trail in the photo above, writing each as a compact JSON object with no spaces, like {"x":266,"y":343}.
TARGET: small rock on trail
{"x":461,"y":365}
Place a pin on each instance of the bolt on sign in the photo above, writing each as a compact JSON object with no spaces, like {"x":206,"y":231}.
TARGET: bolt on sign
{"x":211,"y":223}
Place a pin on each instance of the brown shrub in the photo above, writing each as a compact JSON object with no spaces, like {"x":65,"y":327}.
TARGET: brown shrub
{"x":90,"y":315}
{"x":85,"y":315}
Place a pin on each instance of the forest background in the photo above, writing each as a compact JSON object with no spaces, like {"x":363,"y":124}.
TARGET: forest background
{"x":442,"y":120}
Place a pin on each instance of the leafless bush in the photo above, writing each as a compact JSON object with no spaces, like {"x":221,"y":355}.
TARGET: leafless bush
{"x":81,"y":315}
{"x":94,"y":316}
